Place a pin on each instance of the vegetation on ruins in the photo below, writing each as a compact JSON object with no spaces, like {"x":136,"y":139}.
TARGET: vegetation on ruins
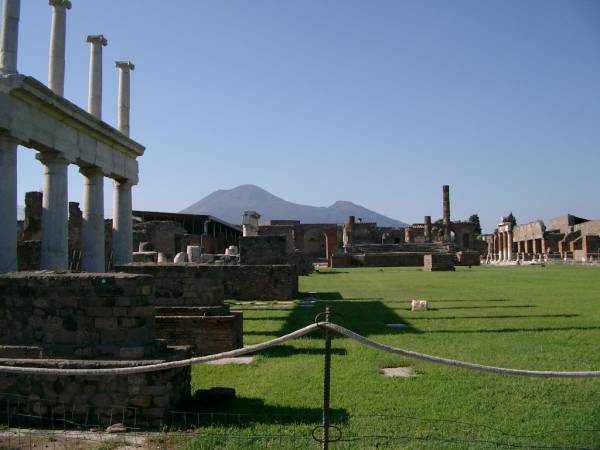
{"x":512,"y":219}
{"x":519,"y":317}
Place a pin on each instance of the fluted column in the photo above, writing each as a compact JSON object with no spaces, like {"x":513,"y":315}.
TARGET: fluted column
{"x":55,"y":211}
{"x":95,"y":77}
{"x":9,"y":36}
{"x":92,"y":225}
{"x":502,"y":246}
{"x":509,"y":245}
{"x":125,"y":68}
{"x":58,"y":32}
{"x":8,"y":205}
{"x":122,"y":241}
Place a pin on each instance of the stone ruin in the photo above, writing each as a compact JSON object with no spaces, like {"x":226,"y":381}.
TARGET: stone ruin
{"x":366,"y":244}
{"x":87,"y":321}
{"x":566,"y":238}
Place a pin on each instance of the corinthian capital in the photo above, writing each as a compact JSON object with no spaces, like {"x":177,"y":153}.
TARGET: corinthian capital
{"x":97,"y":39}
{"x":60,"y":3}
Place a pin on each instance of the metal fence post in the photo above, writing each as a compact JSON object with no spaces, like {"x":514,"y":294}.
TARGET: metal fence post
{"x":326,"y":384}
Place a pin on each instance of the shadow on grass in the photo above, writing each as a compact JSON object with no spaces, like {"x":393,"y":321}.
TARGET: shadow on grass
{"x":481,"y":307}
{"x":495,"y":317}
{"x":514,"y":330}
{"x":363,"y":317}
{"x":206,"y":410}
{"x":329,"y":272}
{"x":321,"y":295}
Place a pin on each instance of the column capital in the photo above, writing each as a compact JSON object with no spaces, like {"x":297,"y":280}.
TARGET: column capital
{"x":97,"y":39}
{"x":52,"y":158}
{"x":125,"y":65}
{"x":90,"y":171}
{"x":60,"y":4}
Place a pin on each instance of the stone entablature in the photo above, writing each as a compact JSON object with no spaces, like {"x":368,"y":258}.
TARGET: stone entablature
{"x":38,"y":118}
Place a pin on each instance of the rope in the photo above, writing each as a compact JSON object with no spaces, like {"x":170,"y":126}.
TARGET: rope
{"x":164,"y":365}
{"x":294,"y":335}
{"x":454,"y":363}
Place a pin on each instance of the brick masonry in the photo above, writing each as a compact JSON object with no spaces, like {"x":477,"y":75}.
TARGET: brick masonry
{"x":88,"y":321}
{"x":263,"y":250}
{"x":439,"y":262}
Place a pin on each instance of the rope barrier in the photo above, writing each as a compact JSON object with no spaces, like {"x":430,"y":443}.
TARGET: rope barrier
{"x":295,"y":335}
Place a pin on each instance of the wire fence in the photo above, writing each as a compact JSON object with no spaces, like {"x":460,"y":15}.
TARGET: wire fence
{"x":46,"y":423}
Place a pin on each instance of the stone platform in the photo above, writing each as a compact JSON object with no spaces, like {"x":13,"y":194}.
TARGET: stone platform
{"x":89,"y":320}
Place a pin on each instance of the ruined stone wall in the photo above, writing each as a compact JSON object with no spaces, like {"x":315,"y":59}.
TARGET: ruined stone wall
{"x":205,"y":335}
{"x":166,"y":236}
{"x":273,"y":282}
{"x":280,"y":230}
{"x":528,"y":231}
{"x":183,"y":284}
{"x":142,"y":400}
{"x":260,"y":250}
{"x":468,"y":258}
{"x":193,"y":284}
{"x":400,"y":259}
{"x":438,"y":262}
{"x":89,"y":321}
{"x":591,"y":227}
{"x":85,"y":315}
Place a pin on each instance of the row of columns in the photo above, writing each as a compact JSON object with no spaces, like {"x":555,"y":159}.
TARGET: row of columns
{"x":54,"y":245}
{"x":502,"y":246}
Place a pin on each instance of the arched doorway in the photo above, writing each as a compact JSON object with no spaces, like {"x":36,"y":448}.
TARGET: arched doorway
{"x":315,"y":244}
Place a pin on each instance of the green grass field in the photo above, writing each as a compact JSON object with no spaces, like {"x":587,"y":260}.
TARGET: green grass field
{"x":520,"y":317}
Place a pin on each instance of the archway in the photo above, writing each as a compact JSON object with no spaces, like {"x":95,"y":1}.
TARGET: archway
{"x":315,"y":244}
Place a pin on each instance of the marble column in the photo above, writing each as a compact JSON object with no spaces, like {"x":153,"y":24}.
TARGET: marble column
{"x":509,"y":245}
{"x":58,"y":32}
{"x":8,"y":205}
{"x":502,"y":246}
{"x":92,"y":225}
{"x":122,"y":241}
{"x":125,"y":68}
{"x":9,"y":37}
{"x":95,"y":77}
{"x":55,"y":212}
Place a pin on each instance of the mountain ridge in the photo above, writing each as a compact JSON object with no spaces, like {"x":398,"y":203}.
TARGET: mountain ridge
{"x":229,"y":205}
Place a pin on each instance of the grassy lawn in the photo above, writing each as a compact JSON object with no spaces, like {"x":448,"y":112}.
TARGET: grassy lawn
{"x":519,"y":317}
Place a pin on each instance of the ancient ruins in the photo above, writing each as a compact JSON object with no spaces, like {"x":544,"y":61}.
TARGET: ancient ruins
{"x":567,"y":238}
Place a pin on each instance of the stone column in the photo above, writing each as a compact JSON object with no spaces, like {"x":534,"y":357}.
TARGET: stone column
{"x":125,"y":68}
{"x":95,"y":80}
{"x":427,"y":229}
{"x":446,"y":210}
{"x":58,"y":32}
{"x":55,"y":207}
{"x":92,"y":225}
{"x":9,"y":37}
{"x":509,"y":245}
{"x":8,"y":205}
{"x":122,"y":241}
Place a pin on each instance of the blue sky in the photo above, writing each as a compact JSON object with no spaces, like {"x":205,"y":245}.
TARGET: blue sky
{"x":379,"y":103}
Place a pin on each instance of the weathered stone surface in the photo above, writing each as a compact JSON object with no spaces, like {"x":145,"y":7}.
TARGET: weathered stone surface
{"x":263,"y":250}
{"x":439,"y":262}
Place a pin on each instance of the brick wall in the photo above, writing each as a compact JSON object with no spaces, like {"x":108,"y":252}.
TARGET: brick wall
{"x":439,"y":262}
{"x":85,"y":315}
{"x":204,"y":334}
{"x":278,"y":282}
{"x":261,"y":250}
